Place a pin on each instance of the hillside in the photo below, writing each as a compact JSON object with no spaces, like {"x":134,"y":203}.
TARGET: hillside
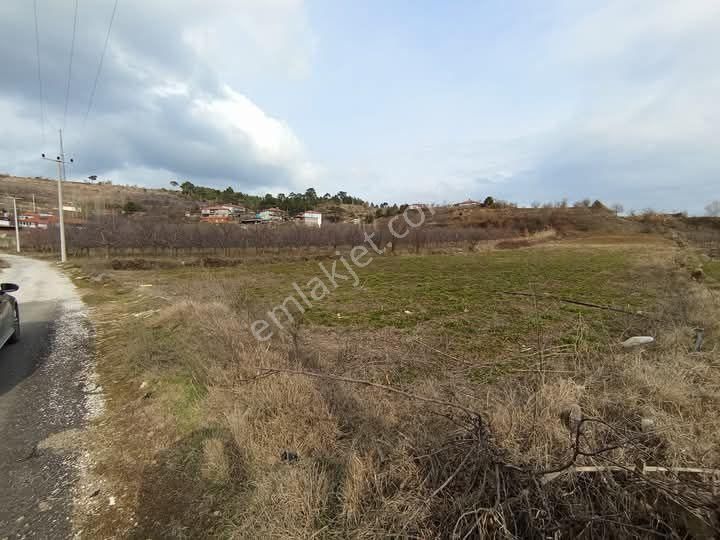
{"x":91,"y":198}
{"x":96,"y":198}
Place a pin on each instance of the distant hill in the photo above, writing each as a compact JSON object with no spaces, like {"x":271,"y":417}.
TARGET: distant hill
{"x":92,"y":199}
{"x":97,"y":198}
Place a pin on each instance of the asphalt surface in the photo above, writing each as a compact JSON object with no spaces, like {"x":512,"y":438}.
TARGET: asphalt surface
{"x":43,"y":394}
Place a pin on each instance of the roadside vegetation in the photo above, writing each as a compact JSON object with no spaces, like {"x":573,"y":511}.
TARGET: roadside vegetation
{"x":452,"y":393}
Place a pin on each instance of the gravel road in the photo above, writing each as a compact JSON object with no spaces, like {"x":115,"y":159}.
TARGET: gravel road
{"x":47,"y":394}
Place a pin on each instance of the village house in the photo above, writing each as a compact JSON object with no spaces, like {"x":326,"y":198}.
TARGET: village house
{"x":271,"y":215}
{"x":467,"y":203}
{"x":312,"y":218}
{"x":223,"y":213}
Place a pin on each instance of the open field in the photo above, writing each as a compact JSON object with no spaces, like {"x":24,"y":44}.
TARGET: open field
{"x":424,"y":402}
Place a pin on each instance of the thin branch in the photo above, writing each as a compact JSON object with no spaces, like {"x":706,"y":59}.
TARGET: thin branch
{"x":409,"y":395}
{"x":438,"y":351}
{"x":548,"y":296}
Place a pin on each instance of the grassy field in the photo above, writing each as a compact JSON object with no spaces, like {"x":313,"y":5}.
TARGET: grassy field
{"x":419,"y":403}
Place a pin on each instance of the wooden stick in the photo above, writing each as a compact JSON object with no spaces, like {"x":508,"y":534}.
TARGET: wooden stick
{"x":546,"y":478}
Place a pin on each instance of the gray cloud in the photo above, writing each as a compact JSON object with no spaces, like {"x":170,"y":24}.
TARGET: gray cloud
{"x":160,"y":87}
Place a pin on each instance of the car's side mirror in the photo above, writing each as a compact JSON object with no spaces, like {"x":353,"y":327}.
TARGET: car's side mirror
{"x":8,"y":287}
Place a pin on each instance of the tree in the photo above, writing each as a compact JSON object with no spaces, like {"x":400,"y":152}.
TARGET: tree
{"x":92,"y":177}
{"x":535,"y":204}
{"x":489,"y":202}
{"x":268,"y":201}
{"x":618,"y":208}
{"x":173,"y":183}
{"x":713,"y":209}
{"x":187,"y":187}
{"x":228,"y":195}
{"x":585,"y":203}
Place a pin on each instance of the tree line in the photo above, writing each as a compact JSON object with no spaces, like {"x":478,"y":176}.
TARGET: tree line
{"x":118,"y":234}
{"x":292,"y":202}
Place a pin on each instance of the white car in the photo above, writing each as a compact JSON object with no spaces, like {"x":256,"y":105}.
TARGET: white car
{"x":9,"y":314}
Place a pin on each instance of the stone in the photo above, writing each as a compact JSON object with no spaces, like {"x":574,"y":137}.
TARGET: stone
{"x":637,"y":341}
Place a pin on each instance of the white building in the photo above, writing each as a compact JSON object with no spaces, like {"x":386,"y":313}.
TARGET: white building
{"x":312,"y":218}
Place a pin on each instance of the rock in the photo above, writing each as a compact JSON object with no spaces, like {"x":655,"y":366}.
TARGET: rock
{"x":698,"y":274}
{"x":289,"y":456}
{"x":111,"y":500}
{"x":647,"y":425}
{"x":143,"y":385}
{"x":637,"y":341}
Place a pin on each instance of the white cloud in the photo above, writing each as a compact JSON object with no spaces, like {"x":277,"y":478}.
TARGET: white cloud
{"x":239,"y":118}
{"x":257,"y":36}
{"x":616,"y":27}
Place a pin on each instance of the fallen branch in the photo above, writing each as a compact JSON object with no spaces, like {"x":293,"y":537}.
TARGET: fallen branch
{"x":438,"y":351}
{"x":409,"y":395}
{"x":549,"y":296}
{"x":631,"y":468}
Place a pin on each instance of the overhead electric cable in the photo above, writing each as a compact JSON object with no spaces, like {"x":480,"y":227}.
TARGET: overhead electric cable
{"x":39,"y":72}
{"x":100,"y":65}
{"x":72,"y":54}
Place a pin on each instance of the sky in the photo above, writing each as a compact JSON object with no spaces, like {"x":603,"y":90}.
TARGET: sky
{"x":389,"y":100}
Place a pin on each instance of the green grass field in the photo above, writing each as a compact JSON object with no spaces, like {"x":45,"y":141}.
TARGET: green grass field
{"x":175,"y":347}
{"x":455,"y":300}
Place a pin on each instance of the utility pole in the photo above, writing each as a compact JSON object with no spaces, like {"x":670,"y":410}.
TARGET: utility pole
{"x":17,"y":226}
{"x":60,"y":160}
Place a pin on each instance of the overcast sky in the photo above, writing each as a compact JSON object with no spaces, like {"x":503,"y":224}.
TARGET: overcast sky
{"x":391,"y":100}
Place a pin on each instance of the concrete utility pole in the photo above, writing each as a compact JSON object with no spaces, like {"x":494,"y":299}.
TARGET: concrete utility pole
{"x":60,"y":160}
{"x":17,"y":226}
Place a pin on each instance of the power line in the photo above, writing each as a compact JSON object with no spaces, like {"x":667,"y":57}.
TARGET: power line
{"x":72,"y":53}
{"x":39,"y":70}
{"x":100,"y":65}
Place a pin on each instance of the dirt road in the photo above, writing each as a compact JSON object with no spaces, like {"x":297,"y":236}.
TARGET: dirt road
{"x":46,"y":392}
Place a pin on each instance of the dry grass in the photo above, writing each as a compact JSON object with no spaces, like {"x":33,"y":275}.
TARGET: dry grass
{"x":282,"y":455}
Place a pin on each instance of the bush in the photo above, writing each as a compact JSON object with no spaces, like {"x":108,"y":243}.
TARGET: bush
{"x":131,"y":207}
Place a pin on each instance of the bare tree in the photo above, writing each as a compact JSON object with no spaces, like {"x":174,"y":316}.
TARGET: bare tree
{"x":713,"y":209}
{"x":618,"y":208}
{"x":585,"y":203}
